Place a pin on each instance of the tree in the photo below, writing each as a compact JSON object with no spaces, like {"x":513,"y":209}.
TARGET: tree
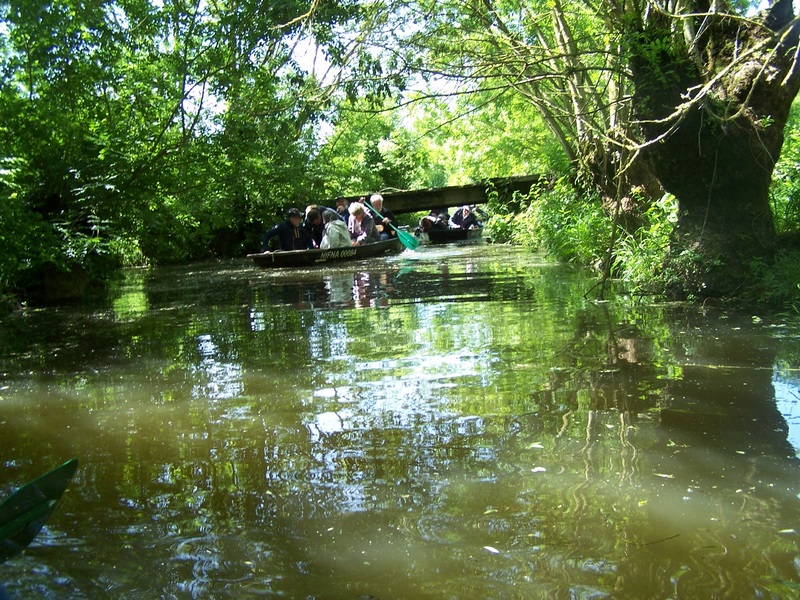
{"x":368,"y":150}
{"x":137,"y":130}
{"x":713,"y":98}
{"x":686,"y":94}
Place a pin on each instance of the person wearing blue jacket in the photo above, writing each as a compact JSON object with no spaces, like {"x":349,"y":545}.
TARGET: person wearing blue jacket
{"x":290,"y":233}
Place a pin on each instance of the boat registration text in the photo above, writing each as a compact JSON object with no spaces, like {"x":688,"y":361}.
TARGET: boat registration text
{"x":338,"y":253}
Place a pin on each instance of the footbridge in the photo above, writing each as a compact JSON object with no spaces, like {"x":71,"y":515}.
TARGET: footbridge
{"x":400,"y":202}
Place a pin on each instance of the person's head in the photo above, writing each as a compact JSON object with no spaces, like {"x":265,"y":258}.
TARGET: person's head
{"x":329,"y":216}
{"x":341,"y":204}
{"x":465,"y":210}
{"x":377,"y":201}
{"x":425,"y":223}
{"x":313,"y":216}
{"x":356,"y":210}
{"x":294,"y":216}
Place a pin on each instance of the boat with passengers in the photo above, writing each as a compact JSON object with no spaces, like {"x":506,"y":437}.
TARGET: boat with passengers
{"x":317,"y":256}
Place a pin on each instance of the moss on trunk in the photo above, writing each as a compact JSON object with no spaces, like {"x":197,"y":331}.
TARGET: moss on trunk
{"x":719,"y":136}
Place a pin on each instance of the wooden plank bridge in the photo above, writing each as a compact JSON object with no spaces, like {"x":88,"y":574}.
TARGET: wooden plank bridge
{"x":400,"y":202}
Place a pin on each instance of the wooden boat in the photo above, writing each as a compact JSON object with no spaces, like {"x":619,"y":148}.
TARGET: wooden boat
{"x":311,"y":258}
{"x":446,"y":236}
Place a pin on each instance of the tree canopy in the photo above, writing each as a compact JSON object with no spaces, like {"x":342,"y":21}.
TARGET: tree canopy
{"x":136,"y":130}
{"x":689,"y":97}
{"x":153,"y":131}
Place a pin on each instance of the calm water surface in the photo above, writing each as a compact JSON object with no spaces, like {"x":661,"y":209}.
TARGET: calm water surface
{"x":456,"y":422}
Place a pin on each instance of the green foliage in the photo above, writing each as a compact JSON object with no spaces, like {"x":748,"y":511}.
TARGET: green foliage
{"x":566,"y":225}
{"x":501,"y":228}
{"x":24,"y":236}
{"x":785,"y":188}
{"x":656,"y":50}
{"x":434,"y":143}
{"x":639,"y":256}
{"x":125,"y":144}
{"x":483,"y":136}
{"x":780,"y":282}
{"x":368,"y":150}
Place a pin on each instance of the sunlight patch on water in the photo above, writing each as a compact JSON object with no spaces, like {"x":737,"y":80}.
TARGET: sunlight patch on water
{"x":219,"y":379}
{"x":787,"y":398}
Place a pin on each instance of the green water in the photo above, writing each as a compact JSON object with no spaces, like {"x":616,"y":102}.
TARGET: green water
{"x":457,"y":422}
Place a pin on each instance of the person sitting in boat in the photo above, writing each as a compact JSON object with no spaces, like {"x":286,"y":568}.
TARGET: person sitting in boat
{"x":342,"y":206}
{"x":361,"y":225}
{"x":464,"y":218}
{"x":336,"y":234}
{"x":290,"y":233}
{"x":387,"y":218}
{"x":436,"y":220}
{"x":440,"y":218}
{"x":314,"y":221}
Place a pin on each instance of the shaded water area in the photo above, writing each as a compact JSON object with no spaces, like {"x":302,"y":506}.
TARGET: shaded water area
{"x":456,"y":422}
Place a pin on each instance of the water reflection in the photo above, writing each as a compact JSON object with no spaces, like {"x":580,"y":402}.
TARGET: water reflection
{"x":454,"y":422}
{"x":787,"y":400}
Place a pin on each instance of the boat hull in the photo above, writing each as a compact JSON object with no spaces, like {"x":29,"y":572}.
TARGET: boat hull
{"x":447,"y":236}
{"x":311,"y":258}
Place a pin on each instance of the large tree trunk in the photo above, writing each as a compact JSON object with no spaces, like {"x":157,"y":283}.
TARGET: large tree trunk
{"x":720,"y":134}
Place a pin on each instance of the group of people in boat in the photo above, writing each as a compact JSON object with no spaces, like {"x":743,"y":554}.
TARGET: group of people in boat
{"x":464,"y":217}
{"x":352,"y":224}
{"x":349,"y":224}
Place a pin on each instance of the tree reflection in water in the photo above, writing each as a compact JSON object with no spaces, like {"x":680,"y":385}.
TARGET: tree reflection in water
{"x":456,"y":422}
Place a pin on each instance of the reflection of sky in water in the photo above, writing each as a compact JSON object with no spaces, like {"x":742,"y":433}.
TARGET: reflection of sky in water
{"x":216,"y":380}
{"x":393,"y":391}
{"x":787,"y":398}
{"x":339,"y":287}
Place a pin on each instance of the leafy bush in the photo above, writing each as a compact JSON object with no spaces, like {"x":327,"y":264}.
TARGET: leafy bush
{"x":639,"y":256}
{"x":785,"y":188}
{"x":568,"y":226}
{"x":500,"y":228}
{"x":780,"y":282}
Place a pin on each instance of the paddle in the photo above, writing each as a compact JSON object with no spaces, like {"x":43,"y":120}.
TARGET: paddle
{"x":408,"y":240}
{"x":24,"y":512}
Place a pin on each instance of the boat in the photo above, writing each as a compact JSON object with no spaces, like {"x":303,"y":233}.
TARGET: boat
{"x":316,"y":256}
{"x":446,"y":236}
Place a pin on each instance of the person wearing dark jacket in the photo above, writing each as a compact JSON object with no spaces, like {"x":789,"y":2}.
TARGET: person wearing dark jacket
{"x":342,"y":208}
{"x":386,"y":219}
{"x":290,"y":233}
{"x":314,"y":221}
{"x":464,"y":218}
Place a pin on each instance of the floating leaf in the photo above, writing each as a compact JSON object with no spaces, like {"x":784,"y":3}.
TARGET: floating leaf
{"x":491,"y":549}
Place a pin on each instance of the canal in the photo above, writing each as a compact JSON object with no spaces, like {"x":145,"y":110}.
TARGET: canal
{"x":454,"y":422}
